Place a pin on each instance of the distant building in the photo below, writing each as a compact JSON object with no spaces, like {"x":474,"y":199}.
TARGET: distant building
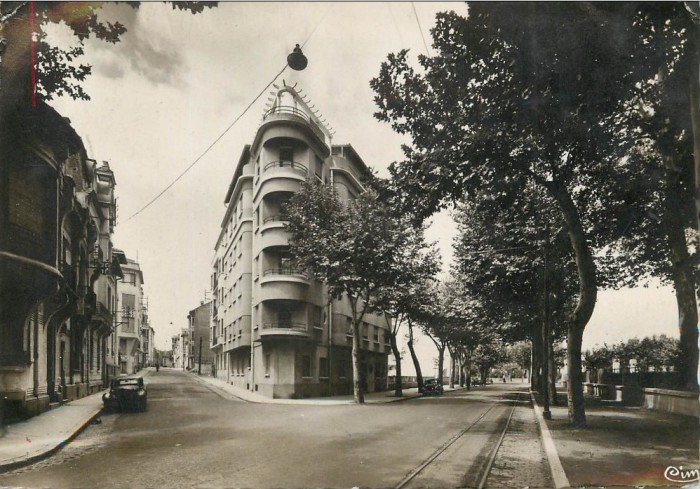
{"x":147,"y":338}
{"x":131,"y":317}
{"x":273,"y":330}
{"x":199,"y":319}
{"x":181,"y":349}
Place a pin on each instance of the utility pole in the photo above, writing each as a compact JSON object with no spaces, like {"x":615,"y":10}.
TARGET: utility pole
{"x":199,"y":368}
{"x":545,"y":332}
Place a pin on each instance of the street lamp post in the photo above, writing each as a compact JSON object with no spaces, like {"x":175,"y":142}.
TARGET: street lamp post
{"x":545,"y":332}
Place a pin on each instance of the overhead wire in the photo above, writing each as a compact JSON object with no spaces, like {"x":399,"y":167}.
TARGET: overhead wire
{"x":184,"y":172}
{"x":425,"y":44}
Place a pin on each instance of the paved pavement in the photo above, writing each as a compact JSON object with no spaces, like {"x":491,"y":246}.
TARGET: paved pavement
{"x":622,"y":446}
{"x":232,"y":392}
{"x":38,"y":437}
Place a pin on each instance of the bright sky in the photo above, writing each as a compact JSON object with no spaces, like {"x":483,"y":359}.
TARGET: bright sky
{"x":174,"y":83}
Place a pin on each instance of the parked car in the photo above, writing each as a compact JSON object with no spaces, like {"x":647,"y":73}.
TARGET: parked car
{"x":432,"y":386}
{"x":126,"y":393}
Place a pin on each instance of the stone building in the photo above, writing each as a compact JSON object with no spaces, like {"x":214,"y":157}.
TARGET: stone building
{"x":273,"y":329}
{"x":56,"y":219}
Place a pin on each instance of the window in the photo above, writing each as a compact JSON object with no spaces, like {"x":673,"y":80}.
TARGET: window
{"x":286,"y":154}
{"x":323,"y":368}
{"x":267,"y":365}
{"x":285,"y":264}
{"x":316,"y":316}
{"x":306,"y":366}
{"x":284,"y":318}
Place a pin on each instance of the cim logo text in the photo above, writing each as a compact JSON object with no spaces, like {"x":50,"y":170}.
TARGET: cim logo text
{"x":679,"y":474}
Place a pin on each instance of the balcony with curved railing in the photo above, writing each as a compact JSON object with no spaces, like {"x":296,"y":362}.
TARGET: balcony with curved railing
{"x":284,"y":328}
{"x":293,"y":113}
{"x":284,"y":166}
{"x":287,"y":110}
{"x":275,"y":219}
{"x":286,"y":271}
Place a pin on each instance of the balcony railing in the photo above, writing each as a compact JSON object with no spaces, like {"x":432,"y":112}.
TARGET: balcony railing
{"x":103,"y":313}
{"x":288,"y":325}
{"x":275,"y":218}
{"x":297,"y":168}
{"x":287,"y":110}
{"x":284,"y":271}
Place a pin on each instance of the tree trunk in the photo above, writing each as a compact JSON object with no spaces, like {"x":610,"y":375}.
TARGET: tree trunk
{"x":441,"y":363}
{"x":358,"y":394}
{"x":588,"y":292}
{"x":469,"y":370}
{"x":683,"y":280}
{"x":453,"y":369}
{"x":535,"y":376}
{"x":694,"y":95}
{"x":552,"y":373}
{"x":414,"y":357}
{"x":398,"y":392}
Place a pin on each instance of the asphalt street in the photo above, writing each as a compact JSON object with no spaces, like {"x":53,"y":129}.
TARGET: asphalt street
{"x":192,"y":437}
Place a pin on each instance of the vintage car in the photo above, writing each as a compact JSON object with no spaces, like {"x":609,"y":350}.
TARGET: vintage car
{"x":126,"y":393}
{"x":432,"y":386}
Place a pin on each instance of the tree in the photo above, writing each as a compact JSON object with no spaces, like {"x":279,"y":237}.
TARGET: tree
{"x":503,"y":105}
{"x":666,"y":240}
{"x":521,"y":354}
{"x":500,"y":260}
{"x":58,"y":69}
{"x":402,"y":302}
{"x":357,"y":248}
{"x":489,"y":354}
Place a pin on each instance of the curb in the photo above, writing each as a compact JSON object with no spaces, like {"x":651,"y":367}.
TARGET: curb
{"x":557,"y":470}
{"x":6,"y":467}
{"x":289,"y":402}
{"x":217,"y":390}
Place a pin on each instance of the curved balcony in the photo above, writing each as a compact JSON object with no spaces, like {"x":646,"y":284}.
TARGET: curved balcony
{"x":276,"y":219}
{"x":274,"y":235}
{"x":286,"y":271}
{"x":286,"y":166}
{"x":284,"y":287}
{"x":278,"y":179}
{"x":287,"y":110}
{"x":286,"y":328}
{"x":290,"y":112}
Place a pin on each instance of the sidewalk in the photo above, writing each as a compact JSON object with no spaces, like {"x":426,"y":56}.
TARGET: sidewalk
{"x":621,"y":446}
{"x":231,"y":392}
{"x":38,"y":437}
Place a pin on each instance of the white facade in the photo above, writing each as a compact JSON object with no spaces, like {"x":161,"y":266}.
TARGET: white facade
{"x":272,"y":330}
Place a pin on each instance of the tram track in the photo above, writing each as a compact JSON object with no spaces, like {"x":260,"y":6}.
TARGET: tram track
{"x":483,"y":465}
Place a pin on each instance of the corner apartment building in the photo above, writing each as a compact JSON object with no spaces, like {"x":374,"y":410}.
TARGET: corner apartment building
{"x":273,"y":330}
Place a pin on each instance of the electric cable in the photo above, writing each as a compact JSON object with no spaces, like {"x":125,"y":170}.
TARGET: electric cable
{"x":182,"y":174}
{"x":425,"y":44}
